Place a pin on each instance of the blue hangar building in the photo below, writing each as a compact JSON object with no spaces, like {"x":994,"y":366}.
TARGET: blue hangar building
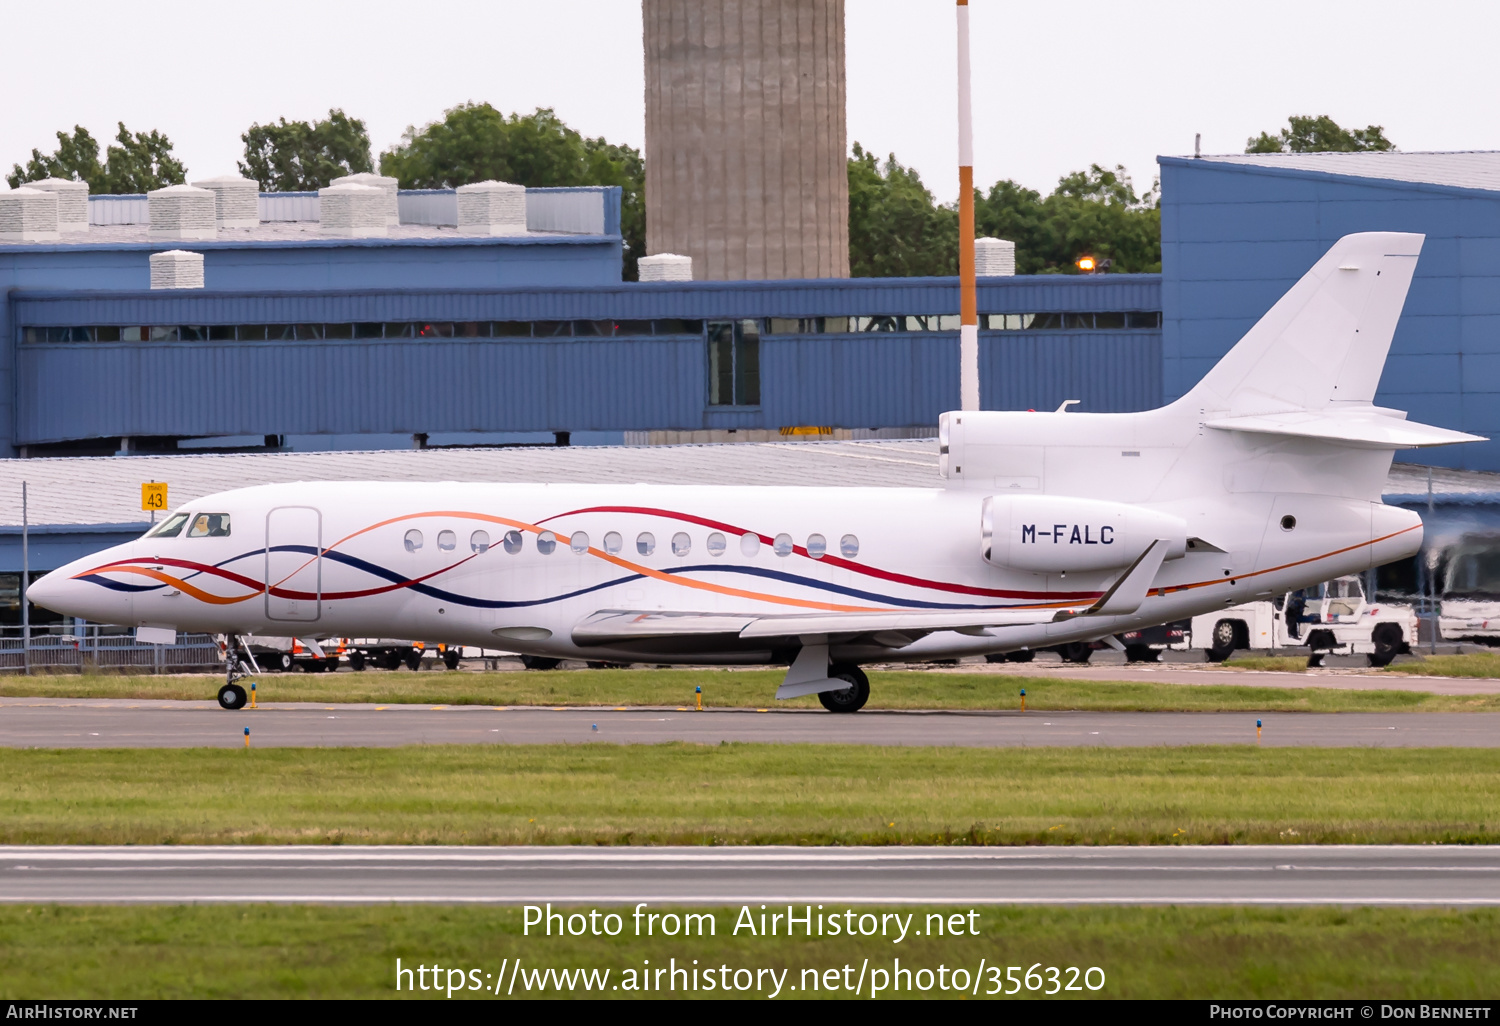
{"x":428,"y":337}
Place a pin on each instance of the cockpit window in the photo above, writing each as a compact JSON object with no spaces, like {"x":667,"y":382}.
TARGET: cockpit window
{"x":209,"y":525}
{"x":170,"y":527}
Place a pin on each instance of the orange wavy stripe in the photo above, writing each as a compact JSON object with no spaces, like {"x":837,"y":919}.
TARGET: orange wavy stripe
{"x":157,"y":575}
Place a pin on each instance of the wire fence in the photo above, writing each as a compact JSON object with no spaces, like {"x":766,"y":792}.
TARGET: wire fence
{"x":90,"y":647}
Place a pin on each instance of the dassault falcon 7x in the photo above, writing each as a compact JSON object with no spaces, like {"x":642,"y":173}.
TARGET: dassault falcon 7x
{"x":1046,"y":528}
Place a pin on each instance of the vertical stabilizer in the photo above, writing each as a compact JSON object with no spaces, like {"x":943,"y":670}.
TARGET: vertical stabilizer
{"x":1326,"y":340}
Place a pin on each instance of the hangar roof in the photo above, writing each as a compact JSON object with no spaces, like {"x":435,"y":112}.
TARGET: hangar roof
{"x":283,"y":233}
{"x":106,"y":490}
{"x":1472,"y":169}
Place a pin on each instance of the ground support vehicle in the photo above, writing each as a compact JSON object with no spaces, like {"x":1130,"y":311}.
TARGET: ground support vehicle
{"x":393,"y":653}
{"x":1328,"y":617}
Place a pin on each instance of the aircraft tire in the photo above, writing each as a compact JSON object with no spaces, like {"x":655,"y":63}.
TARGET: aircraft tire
{"x":1075,"y":652}
{"x":532,"y":662}
{"x":232,"y":696}
{"x":1025,"y":655}
{"x":1142,"y":654}
{"x":851,"y":699}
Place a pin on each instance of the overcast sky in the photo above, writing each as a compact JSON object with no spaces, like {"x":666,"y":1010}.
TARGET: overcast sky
{"x":1057,"y":85}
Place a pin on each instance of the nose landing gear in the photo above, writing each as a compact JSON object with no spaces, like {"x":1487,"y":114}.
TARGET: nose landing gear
{"x":239,"y":663}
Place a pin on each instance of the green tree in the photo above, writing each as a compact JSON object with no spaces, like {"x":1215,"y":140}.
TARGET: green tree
{"x":474,"y":142}
{"x":895,"y":227}
{"x":1095,"y":212}
{"x":140,"y":162}
{"x":76,"y":158}
{"x":1321,"y":134}
{"x":294,"y":156}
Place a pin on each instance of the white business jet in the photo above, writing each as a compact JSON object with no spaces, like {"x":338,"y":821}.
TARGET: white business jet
{"x":1047,"y":528}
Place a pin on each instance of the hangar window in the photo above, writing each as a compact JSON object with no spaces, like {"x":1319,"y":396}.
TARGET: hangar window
{"x":849,"y":546}
{"x":716,"y":544}
{"x":510,"y":329}
{"x":551,"y":329}
{"x":782,"y":546}
{"x":210,"y":525}
{"x":479,"y":541}
{"x":368,"y":330}
{"x":645,"y":543}
{"x":546,"y":542}
{"x":512,"y":542}
{"x":681,"y":544}
{"x":734,"y":363}
{"x":436,"y":330}
{"x":413,"y":540}
{"x":670,"y":326}
{"x":338,"y":331}
{"x":447,"y":541}
{"x":624,"y":328}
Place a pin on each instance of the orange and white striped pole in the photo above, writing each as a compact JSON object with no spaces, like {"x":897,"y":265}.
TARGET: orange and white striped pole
{"x":968,"y":321}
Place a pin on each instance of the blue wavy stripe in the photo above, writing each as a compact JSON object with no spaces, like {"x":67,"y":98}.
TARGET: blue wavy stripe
{"x":394,"y":577}
{"x":118,"y":586}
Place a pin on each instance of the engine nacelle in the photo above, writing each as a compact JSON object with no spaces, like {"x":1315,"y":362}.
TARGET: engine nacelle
{"x":1057,"y":533}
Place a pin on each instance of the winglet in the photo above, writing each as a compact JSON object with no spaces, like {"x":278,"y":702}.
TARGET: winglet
{"x":1127,"y":593}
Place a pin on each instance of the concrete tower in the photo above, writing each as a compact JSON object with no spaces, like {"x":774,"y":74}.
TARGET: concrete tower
{"x":745,"y":137}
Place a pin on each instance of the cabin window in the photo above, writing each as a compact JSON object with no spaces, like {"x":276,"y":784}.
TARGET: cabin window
{"x":546,"y":542}
{"x":749,"y":543}
{"x":512,"y":542}
{"x":579,"y":542}
{"x":413,"y":540}
{"x":716,"y":544}
{"x":479,"y":541}
{"x":849,"y":546}
{"x":210,"y":525}
{"x":782,"y":546}
{"x":645,"y":543}
{"x":447,"y":541}
{"x":170,"y":527}
{"x":681,"y":544}
{"x":817,"y":546}
{"x":613,"y":543}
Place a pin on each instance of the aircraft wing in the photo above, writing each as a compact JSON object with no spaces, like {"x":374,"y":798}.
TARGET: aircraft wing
{"x":894,"y":628}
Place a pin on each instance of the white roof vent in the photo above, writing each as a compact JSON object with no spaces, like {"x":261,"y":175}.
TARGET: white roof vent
{"x":666,"y":267}
{"x":28,"y":215}
{"x":491,"y":208}
{"x":236,"y":200}
{"x":72,"y":202}
{"x":994,"y":258}
{"x":176,"y":269}
{"x":352,"y":212}
{"x":181,"y":212}
{"x":386,"y":185}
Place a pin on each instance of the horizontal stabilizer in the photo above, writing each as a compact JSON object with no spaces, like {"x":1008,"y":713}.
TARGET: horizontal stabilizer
{"x":1368,"y":427}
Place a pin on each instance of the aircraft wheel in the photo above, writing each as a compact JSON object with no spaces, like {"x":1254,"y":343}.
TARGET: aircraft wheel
{"x":356,"y":660}
{"x":1025,"y":655}
{"x":414,"y":659}
{"x":1142,"y":654}
{"x":232,"y":696}
{"x":850,"y":699}
{"x":1075,"y":652}
{"x":450,"y":659}
{"x":532,"y":662}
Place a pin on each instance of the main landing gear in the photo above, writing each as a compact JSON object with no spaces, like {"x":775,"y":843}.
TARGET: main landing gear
{"x":239,"y":663}
{"x":850,"y":699}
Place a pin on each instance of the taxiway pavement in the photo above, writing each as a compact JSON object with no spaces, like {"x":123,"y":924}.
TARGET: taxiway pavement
{"x":103,"y":723}
{"x":1313,"y":875}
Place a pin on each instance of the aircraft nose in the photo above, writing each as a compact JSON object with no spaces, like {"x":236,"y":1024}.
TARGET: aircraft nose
{"x":49,"y":592}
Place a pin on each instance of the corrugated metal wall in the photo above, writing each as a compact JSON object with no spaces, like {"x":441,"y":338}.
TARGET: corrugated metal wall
{"x":435,"y":385}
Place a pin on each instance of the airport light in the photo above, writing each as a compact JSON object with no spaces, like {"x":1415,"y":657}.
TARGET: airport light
{"x":1086,"y":264}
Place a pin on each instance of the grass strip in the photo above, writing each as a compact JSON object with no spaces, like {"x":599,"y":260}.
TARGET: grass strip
{"x":1474,"y":664}
{"x":895,"y":689}
{"x":749,"y":794}
{"x":259,"y":951}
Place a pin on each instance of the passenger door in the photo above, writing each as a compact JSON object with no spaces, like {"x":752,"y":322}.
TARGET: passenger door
{"x":294,"y":564}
